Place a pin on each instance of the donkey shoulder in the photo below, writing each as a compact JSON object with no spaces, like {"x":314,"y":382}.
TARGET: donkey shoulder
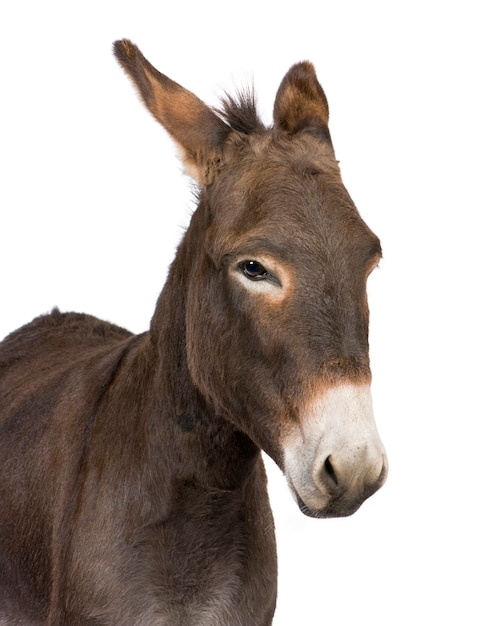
{"x":37,"y":360}
{"x":78,"y":326}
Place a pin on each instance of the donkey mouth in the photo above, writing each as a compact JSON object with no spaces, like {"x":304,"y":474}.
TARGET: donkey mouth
{"x":340,"y":504}
{"x":338,"y":507}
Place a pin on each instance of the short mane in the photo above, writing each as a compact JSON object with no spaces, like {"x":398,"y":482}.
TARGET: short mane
{"x":240,"y":112}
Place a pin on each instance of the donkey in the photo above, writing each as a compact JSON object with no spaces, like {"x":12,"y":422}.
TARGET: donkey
{"x":132,"y":488}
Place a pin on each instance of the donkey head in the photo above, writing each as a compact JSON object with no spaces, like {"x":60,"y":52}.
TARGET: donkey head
{"x":276,"y":306}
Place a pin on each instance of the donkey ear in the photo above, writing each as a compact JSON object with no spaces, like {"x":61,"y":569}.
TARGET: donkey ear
{"x":301,"y":102}
{"x":197,"y":130}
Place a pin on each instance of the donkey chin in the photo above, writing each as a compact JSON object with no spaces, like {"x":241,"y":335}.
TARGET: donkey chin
{"x":333,"y":457}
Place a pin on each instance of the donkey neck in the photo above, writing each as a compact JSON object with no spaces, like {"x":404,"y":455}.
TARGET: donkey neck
{"x":218,"y":455}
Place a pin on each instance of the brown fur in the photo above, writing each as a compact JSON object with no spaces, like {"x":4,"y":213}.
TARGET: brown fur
{"x":132,"y":488}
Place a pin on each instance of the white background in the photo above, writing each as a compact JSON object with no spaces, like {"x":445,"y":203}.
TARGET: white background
{"x":93,"y":203}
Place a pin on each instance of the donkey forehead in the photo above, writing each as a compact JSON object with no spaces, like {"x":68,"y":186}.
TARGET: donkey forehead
{"x":279,"y":146}
{"x":271,"y":154}
{"x":286,"y":193}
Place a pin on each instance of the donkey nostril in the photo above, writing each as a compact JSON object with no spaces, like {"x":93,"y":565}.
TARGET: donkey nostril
{"x":329,"y":473}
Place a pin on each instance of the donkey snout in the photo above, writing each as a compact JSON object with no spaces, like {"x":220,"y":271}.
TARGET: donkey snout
{"x":336,"y":460}
{"x":338,"y":472}
{"x":349,"y":477}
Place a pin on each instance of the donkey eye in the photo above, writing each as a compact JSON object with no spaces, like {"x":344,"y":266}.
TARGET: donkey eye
{"x":254,"y":270}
